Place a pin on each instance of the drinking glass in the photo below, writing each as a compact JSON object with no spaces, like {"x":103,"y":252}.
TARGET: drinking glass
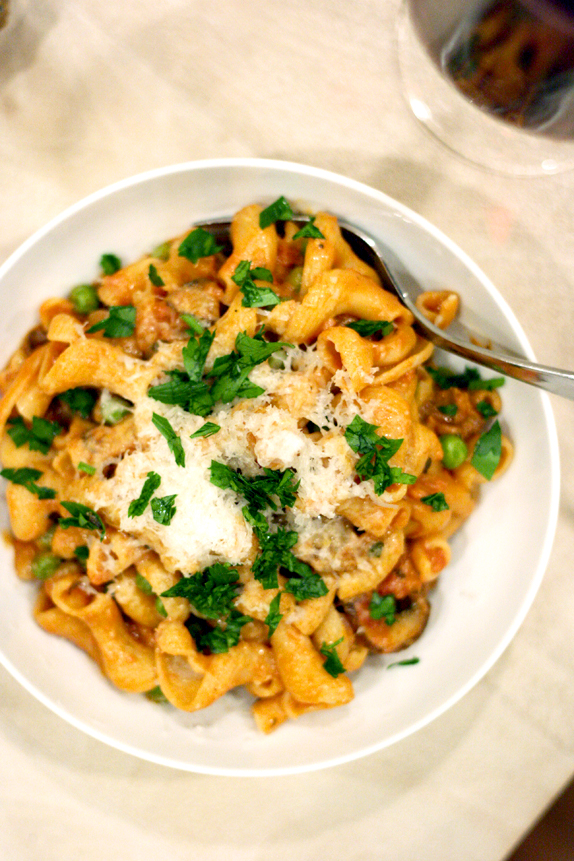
{"x":493,"y":80}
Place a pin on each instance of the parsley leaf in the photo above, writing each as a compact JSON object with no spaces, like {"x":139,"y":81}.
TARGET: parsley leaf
{"x":376,"y":549}
{"x":448,"y":410}
{"x":154,"y":276}
{"x":486,"y":409}
{"x":110,"y":264}
{"x":274,"y":616}
{"x":39,"y":437}
{"x":279,"y":210}
{"x":139,"y":505}
{"x":193,"y":397}
{"x":469,"y":379}
{"x":254,"y":296}
{"x":211,"y":592}
{"x":82,"y":516}
{"x":307,"y":584}
{"x":383,"y":607}
{"x":406,"y":663}
{"x":309,"y":231}
{"x":199,"y":243}
{"x":120,"y":322}
{"x":82,"y":553}
{"x":258,"y":490}
{"x":87,"y":468}
{"x":332,"y":664}
{"x":366,"y":328}
{"x":143,"y":584}
{"x":172,"y":439}
{"x":275,"y":552}
{"x":195,"y":353}
{"x":208,"y":429}
{"x":196,"y":326}
{"x":27,"y":477}
{"x":488,"y":451}
{"x":231,"y":371}
{"x":436,"y":501}
{"x":375,"y":453}
{"x":81,"y":401}
{"x":163,"y":509}
{"x":223,"y":637}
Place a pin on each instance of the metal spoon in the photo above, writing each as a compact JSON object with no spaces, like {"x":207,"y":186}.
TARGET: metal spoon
{"x":459,"y":339}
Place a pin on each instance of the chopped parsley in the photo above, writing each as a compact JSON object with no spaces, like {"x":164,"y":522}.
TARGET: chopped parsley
{"x":199,"y":243}
{"x":224,"y":636}
{"x":468,"y":379}
{"x":436,"y":501}
{"x":196,"y":326}
{"x":375,"y":453}
{"x":383,"y":607}
{"x":309,"y":231}
{"x":172,"y":439}
{"x":110,"y":264}
{"x":448,"y":410}
{"x":195,"y":353}
{"x":156,"y":695}
{"x":376,"y":549}
{"x":159,"y":606}
{"x":486,"y":409}
{"x":139,"y":505}
{"x":258,"y":490}
{"x":367,"y":328}
{"x":120,"y":322}
{"x":254,"y":296}
{"x":154,"y":276}
{"x":407,"y":662}
{"x":274,"y":616}
{"x":279,"y":210}
{"x":87,"y":468}
{"x":163,"y":509}
{"x":27,"y":477}
{"x":488,"y":451}
{"x":208,"y":429}
{"x":81,"y":401}
{"x":81,"y":553}
{"x":231,"y":372}
{"x":82,"y":516}
{"x":332,"y":664}
{"x":39,"y":436}
{"x":210,"y":592}
{"x":275,"y":553}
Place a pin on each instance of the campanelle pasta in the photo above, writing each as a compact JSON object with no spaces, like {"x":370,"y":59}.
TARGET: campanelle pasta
{"x":236,"y":467}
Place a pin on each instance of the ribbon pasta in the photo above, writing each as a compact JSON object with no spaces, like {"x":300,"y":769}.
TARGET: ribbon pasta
{"x":278,"y":438}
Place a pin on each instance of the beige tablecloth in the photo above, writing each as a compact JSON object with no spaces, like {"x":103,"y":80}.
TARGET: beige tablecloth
{"x":93,"y":92}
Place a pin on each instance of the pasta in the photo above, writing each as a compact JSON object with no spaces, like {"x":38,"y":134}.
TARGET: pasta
{"x":238,"y":467}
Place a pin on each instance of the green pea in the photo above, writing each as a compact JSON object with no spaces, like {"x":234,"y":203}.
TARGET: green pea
{"x":294,"y":278}
{"x":45,"y":540}
{"x":45,"y":565}
{"x":454,"y":449}
{"x":84,"y":298}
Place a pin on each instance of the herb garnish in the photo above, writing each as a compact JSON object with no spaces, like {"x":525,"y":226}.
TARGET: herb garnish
{"x":488,"y":451}
{"x":87,"y":468}
{"x":332,"y":664}
{"x":139,"y":505}
{"x":199,"y":243}
{"x":163,"y":509}
{"x":210,"y":592}
{"x":279,"y":210}
{"x":39,"y":437}
{"x":274,"y":616}
{"x":436,"y":501}
{"x":258,"y":490}
{"x":383,"y":607}
{"x":469,"y":379}
{"x":120,"y":322}
{"x":367,"y":328}
{"x":486,"y":409}
{"x":27,"y":477}
{"x":376,"y":451}
{"x":81,"y":401}
{"x":448,"y":410}
{"x":172,"y":439}
{"x":309,"y":231}
{"x":82,"y":516}
{"x":231,"y":372}
{"x":110,"y":264}
{"x":408,"y":662}
{"x":254,"y":296}
{"x":208,"y":429}
{"x":154,"y":276}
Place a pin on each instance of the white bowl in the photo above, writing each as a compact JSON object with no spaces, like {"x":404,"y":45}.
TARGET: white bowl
{"x":499,"y":556}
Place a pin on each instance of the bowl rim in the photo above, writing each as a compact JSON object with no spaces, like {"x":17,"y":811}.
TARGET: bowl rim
{"x":547,"y":414}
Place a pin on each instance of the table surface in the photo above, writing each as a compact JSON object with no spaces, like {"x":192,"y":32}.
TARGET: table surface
{"x":94,"y":92}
